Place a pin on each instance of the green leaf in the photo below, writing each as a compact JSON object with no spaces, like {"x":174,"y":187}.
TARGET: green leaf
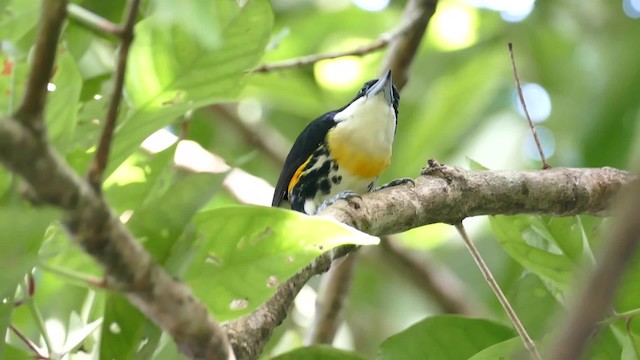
{"x":20,"y":19}
{"x":15,"y":353}
{"x":319,"y":352}
{"x":123,"y":329}
{"x":444,"y":337}
{"x":510,"y":230}
{"x":564,"y":232}
{"x":159,"y":222}
{"x":631,"y":347}
{"x":22,"y":232}
{"x":246,"y":251}
{"x":508,"y":349}
{"x":6,"y":309}
{"x":62,"y":106}
{"x":533,"y":303}
{"x":170,"y":73}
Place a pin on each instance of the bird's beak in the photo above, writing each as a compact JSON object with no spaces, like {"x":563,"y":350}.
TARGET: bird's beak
{"x":384,"y":85}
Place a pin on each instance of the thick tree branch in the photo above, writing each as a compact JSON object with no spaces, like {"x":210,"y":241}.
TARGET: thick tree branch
{"x":31,"y":111}
{"x":449,"y":194}
{"x":102,"y":153}
{"x":596,"y":295}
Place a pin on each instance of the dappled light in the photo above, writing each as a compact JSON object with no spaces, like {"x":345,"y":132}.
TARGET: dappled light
{"x":454,"y":26}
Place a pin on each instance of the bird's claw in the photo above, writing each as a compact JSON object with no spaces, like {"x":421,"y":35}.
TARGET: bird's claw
{"x":396,"y":182}
{"x":345,"y":195}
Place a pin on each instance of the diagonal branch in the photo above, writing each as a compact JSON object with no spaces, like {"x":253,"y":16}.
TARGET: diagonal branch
{"x":94,"y":226}
{"x":102,"y":153}
{"x":249,"y":334}
{"x":403,"y":49}
{"x":31,"y":110}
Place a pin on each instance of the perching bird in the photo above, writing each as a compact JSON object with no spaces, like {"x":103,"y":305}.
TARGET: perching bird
{"x":341,"y":153}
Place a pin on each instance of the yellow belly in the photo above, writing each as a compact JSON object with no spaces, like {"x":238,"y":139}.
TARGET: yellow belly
{"x":357,"y":158}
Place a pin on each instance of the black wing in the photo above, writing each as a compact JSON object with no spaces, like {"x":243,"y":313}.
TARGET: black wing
{"x":306,"y":143}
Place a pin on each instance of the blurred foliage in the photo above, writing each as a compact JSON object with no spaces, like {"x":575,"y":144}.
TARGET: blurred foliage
{"x":459,"y":107}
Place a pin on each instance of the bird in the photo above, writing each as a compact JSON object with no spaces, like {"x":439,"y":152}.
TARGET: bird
{"x":340,"y":154}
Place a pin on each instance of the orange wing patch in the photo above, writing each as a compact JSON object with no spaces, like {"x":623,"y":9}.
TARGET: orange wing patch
{"x":296,"y":176}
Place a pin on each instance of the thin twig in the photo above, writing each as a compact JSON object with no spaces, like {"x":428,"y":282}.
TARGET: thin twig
{"x":30,"y":113}
{"x":493,"y":284}
{"x":526,"y":112}
{"x":271,"y":142}
{"x":28,"y":342}
{"x":380,"y":43}
{"x":102,"y":153}
{"x":93,"y":21}
{"x":332,"y":298}
{"x":437,"y":283}
{"x":597,"y":292}
{"x":627,"y":315}
{"x":74,"y":277}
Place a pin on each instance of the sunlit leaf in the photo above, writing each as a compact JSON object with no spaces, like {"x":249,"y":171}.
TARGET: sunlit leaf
{"x":158,"y":223}
{"x":62,"y":107}
{"x":171,"y":73}
{"x":319,"y":352}
{"x":556,"y":268}
{"x":123,"y":329}
{"x":503,"y":350}
{"x":21,"y":233}
{"x":533,"y":303}
{"x":250,"y":250}
{"x":444,"y":337}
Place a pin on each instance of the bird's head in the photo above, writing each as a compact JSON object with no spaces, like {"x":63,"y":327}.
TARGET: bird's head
{"x":379,"y":90}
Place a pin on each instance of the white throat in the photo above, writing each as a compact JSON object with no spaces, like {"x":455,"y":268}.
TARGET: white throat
{"x":370,"y":123}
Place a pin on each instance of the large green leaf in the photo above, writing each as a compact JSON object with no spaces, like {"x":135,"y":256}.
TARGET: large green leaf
{"x":564,"y":232}
{"x":170,"y":73}
{"x":445,"y":337}
{"x":510,"y":232}
{"x":62,"y":106}
{"x":158,"y":223}
{"x":319,"y":352}
{"x":21,"y":233}
{"x":247,"y":251}
{"x":123,"y":329}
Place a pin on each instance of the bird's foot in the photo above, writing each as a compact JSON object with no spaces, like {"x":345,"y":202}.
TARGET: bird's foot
{"x":396,"y":182}
{"x":345,"y":195}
